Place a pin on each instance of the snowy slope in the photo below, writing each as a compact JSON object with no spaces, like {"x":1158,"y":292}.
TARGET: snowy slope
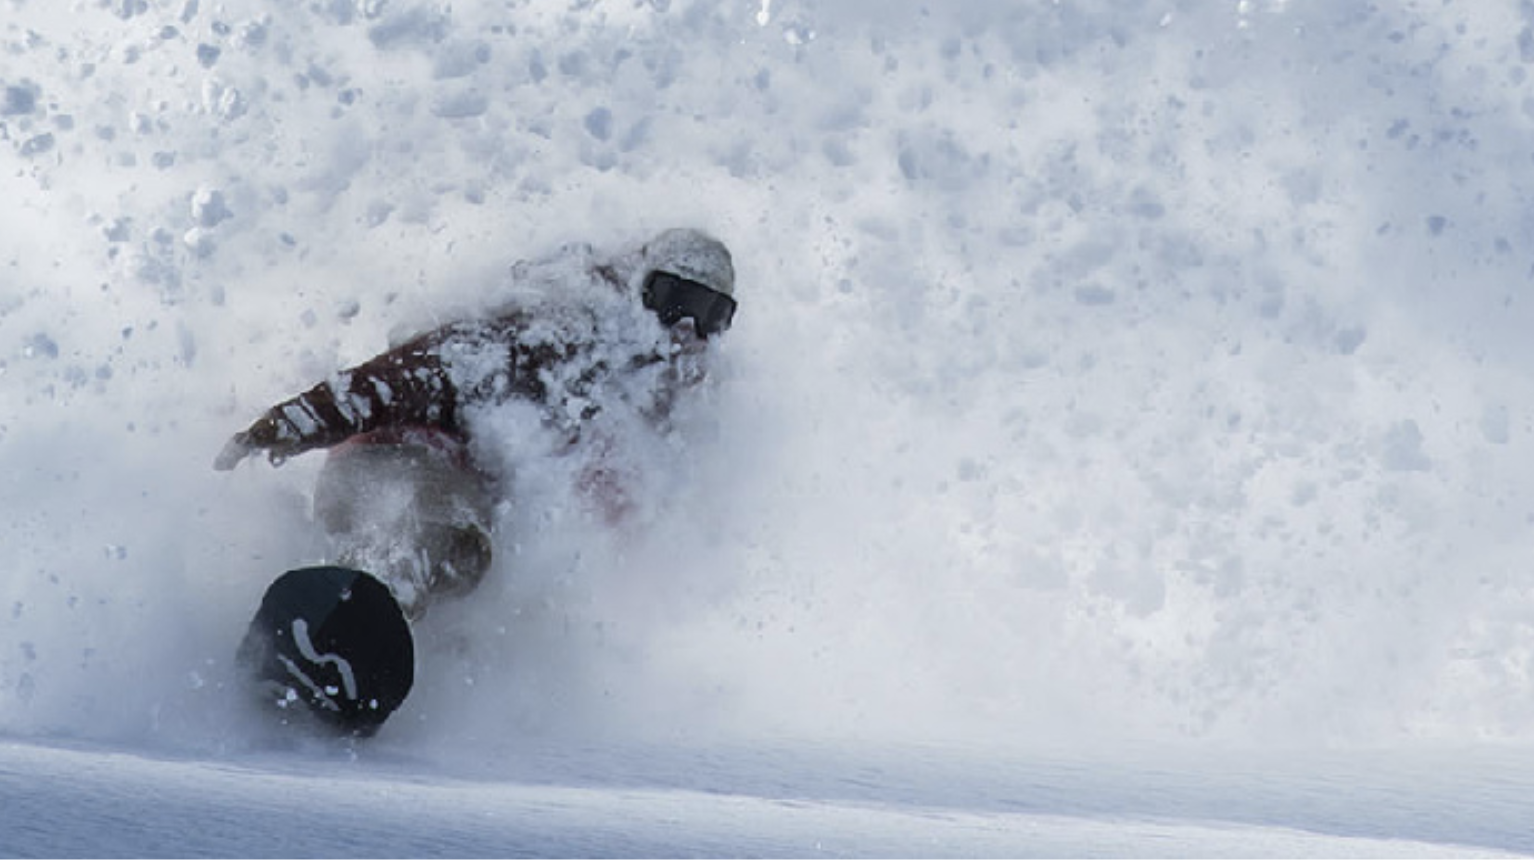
{"x":614,"y":801}
{"x":1110,"y":376}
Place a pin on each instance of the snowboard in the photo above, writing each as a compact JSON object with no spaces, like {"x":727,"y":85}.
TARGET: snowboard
{"x":330,"y":647}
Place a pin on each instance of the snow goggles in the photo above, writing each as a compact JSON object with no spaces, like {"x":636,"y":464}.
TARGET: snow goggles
{"x":675,"y":298}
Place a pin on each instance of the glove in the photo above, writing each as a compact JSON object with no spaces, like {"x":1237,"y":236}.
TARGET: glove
{"x":264,"y":435}
{"x":235,"y":450}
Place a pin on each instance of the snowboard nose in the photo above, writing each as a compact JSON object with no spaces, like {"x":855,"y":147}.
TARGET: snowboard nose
{"x":334,"y":642}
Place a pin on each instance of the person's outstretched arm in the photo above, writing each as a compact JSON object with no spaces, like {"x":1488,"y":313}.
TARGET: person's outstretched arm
{"x":406,"y":386}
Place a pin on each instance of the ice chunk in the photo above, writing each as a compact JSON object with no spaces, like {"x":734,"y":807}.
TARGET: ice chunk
{"x":599,"y":123}
{"x":1094,"y":294}
{"x":199,"y":241}
{"x":459,"y":59}
{"x":41,"y":345}
{"x":119,"y":230}
{"x":19,"y":99}
{"x":209,"y":208}
{"x":419,"y":25}
{"x":38,"y":145}
{"x":1494,"y":424}
{"x":1348,"y":340}
{"x":1401,"y":448}
{"x":463,"y":105}
{"x":227,"y":103}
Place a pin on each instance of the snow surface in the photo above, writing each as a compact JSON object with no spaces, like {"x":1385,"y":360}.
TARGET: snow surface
{"x":1124,"y":445}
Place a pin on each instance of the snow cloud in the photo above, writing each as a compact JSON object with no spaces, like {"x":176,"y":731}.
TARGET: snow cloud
{"x":1103,"y":370}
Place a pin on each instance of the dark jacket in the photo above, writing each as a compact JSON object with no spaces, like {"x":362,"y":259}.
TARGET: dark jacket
{"x":570,"y":355}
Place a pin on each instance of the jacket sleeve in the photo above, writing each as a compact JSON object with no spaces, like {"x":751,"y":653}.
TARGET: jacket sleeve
{"x":406,"y":386}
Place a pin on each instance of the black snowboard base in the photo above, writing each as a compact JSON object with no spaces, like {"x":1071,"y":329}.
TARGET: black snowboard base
{"x":329,"y":647}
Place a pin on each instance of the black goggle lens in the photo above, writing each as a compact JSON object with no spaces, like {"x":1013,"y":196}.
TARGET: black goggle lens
{"x":674,"y":299}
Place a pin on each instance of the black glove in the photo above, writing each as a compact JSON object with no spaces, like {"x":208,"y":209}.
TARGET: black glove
{"x":264,"y":435}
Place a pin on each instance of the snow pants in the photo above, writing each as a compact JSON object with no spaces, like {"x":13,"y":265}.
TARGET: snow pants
{"x":410,"y":509}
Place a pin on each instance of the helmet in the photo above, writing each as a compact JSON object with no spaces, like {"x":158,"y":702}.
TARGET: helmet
{"x":694,"y":255}
{"x":689,"y":275}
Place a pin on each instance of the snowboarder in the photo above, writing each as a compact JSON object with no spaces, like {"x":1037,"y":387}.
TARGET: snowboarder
{"x":404,"y":493}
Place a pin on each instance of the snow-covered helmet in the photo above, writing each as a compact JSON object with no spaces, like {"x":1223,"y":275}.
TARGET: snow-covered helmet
{"x":689,"y":275}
